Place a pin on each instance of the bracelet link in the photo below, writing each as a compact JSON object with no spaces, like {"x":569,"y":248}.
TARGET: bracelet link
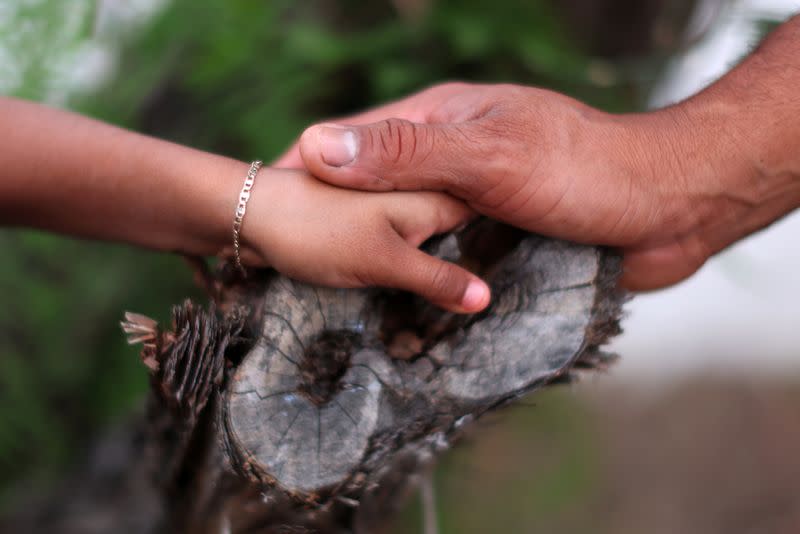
{"x":241,"y":209}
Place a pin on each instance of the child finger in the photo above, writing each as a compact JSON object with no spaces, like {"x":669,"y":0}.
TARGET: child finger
{"x":443,"y":283}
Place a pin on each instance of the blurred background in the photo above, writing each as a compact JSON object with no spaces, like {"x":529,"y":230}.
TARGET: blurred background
{"x":695,"y":430}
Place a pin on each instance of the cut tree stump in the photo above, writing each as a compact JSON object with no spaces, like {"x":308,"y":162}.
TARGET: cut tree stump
{"x":291,"y":408}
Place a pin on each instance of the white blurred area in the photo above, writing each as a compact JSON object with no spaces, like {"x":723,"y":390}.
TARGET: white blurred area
{"x":738,"y":315}
{"x":68,"y":60}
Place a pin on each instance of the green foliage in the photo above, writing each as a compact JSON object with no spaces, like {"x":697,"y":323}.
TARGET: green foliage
{"x":38,"y":38}
{"x":64,"y":365}
{"x":246,"y":77}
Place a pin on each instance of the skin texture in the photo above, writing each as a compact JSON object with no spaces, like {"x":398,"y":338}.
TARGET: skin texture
{"x":69,"y":174}
{"x":670,"y":188}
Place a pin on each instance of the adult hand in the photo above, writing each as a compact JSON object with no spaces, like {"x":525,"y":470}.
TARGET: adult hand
{"x":669,"y":188}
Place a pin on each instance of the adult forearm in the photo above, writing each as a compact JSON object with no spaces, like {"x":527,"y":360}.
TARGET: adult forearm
{"x":734,"y":149}
{"x":63,"y":172}
{"x":762,"y":95}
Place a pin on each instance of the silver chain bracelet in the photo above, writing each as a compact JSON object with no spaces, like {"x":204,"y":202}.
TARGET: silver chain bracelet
{"x":241,"y":208}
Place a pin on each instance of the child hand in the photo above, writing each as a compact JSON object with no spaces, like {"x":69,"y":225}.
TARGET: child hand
{"x":319,"y":233}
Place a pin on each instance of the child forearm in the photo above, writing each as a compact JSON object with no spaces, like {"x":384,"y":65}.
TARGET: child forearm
{"x":66,"y":173}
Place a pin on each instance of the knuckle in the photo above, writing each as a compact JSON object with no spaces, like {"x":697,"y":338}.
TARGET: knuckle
{"x":397,"y":141}
{"x":512,"y":142}
{"x":360,"y":278}
{"x":388,"y":260}
{"x":441,"y":281}
{"x":494,"y":155}
{"x":696,"y":252}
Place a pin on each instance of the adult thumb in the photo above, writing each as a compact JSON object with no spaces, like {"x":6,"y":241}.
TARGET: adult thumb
{"x":391,"y":154}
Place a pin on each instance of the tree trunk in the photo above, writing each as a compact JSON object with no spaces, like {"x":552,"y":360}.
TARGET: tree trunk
{"x":291,"y":408}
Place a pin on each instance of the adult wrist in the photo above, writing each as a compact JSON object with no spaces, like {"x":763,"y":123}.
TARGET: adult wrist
{"x":730,"y":165}
{"x":761,"y":132}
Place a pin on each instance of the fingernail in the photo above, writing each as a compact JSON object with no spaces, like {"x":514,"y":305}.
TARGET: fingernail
{"x":476,"y":296}
{"x":337,"y":145}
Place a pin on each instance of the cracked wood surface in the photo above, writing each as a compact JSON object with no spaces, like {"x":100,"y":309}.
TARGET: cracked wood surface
{"x":553,"y":304}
